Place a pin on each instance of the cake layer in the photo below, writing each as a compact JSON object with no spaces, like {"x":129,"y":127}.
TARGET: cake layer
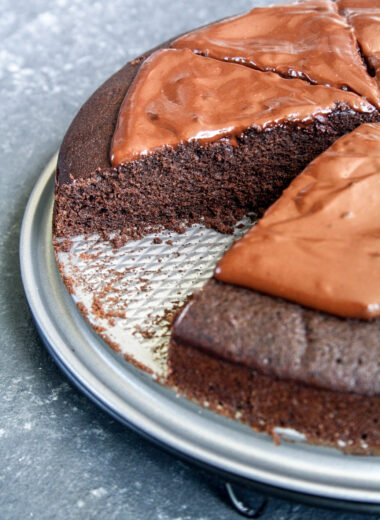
{"x":319,"y":244}
{"x":281,"y":339}
{"x":215,"y":183}
{"x":179,"y":97}
{"x":307,"y":40}
{"x":346,"y":421}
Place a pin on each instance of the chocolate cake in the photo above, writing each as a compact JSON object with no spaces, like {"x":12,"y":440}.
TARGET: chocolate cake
{"x":208,"y":132}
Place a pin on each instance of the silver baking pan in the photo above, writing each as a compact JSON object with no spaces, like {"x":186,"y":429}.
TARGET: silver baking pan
{"x":135,"y":398}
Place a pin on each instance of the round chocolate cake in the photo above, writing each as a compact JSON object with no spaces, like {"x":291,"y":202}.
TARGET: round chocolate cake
{"x":214,"y":125}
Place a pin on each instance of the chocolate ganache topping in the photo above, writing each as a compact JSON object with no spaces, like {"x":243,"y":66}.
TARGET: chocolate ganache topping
{"x":364,"y":16}
{"x":178,"y":96}
{"x":319,"y":244}
{"x":307,"y":40}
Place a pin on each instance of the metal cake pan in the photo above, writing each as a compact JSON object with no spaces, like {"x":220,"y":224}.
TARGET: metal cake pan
{"x":312,"y":473}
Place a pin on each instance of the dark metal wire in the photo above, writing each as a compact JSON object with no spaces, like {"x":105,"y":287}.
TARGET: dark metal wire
{"x":243,"y":509}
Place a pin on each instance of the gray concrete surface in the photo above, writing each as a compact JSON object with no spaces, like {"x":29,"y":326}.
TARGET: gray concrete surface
{"x":60,"y":456}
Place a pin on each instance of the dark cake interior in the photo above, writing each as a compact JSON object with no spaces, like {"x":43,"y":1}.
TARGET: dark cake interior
{"x":230,"y":180}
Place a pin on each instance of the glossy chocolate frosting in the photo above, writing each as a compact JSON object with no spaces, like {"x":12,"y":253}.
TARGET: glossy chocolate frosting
{"x":319,"y":244}
{"x":364,"y":16}
{"x":178,"y":96}
{"x":307,"y":40}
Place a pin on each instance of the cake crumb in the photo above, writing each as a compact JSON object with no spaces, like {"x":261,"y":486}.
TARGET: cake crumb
{"x":276,"y":438}
{"x":63,"y":246}
{"x":69,"y":283}
{"x":97,"y":308}
{"x":119,"y":241}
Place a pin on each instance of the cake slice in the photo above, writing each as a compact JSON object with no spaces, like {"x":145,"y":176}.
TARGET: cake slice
{"x":319,"y":370}
{"x":319,"y":244}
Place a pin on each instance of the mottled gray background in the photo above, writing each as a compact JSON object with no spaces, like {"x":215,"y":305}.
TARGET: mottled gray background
{"x":60,"y":456}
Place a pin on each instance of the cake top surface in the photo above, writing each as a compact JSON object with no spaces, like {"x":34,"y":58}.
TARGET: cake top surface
{"x":178,"y":96}
{"x":319,"y":244}
{"x":364,"y":16}
{"x":307,"y":40}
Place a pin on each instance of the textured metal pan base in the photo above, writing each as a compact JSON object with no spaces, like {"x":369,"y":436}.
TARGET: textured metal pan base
{"x":129,"y":294}
{"x":135,"y":399}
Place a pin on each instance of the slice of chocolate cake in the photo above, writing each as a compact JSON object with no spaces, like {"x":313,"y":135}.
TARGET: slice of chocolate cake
{"x":327,"y":223}
{"x":319,"y":245}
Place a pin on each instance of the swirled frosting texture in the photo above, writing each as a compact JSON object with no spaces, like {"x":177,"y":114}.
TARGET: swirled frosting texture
{"x":319,"y":244}
{"x":364,"y":16}
{"x":307,"y":40}
{"x":179,"y":96}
